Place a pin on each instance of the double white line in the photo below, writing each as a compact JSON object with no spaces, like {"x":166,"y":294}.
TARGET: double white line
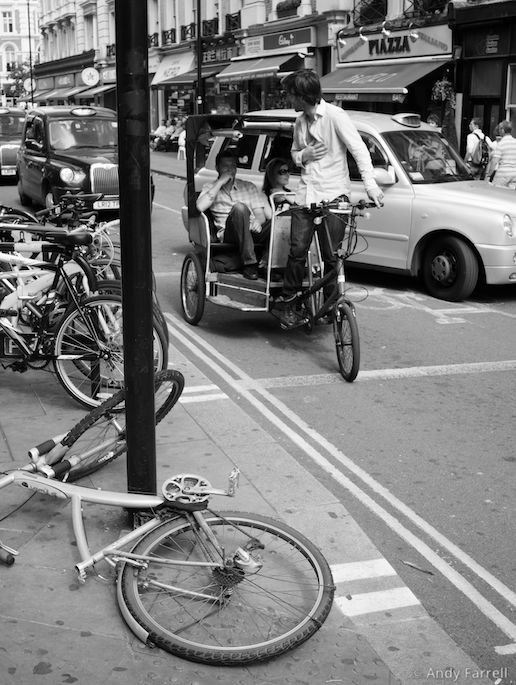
{"x":242,"y":383}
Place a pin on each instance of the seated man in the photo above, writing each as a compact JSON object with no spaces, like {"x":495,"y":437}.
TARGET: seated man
{"x":158,"y":135}
{"x":238,"y":211}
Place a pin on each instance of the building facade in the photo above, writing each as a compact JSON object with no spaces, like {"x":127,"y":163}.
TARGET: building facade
{"x":19,"y":46}
{"x":381,"y":55}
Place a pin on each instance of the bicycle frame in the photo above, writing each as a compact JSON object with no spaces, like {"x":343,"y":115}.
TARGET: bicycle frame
{"x":336,"y":275}
{"x":33,"y":351}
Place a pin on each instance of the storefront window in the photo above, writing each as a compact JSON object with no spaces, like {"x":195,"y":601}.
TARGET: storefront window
{"x":486,"y":79}
{"x":511,"y":96}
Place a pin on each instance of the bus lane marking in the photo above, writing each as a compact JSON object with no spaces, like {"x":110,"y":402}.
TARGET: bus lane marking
{"x":240,"y":382}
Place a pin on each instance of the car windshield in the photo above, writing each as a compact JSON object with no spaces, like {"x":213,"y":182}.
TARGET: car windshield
{"x":11,"y":126}
{"x":66,"y":134}
{"x":427,"y":157}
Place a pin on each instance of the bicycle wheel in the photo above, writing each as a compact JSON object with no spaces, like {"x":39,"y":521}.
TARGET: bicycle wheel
{"x":100,"y":436}
{"x":347,"y":341}
{"x":233,"y":613}
{"x":193,"y":295}
{"x":88,"y":350}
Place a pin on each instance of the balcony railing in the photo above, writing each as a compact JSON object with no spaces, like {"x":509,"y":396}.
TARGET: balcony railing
{"x":153,"y":40}
{"x":369,"y":12}
{"x":111,"y":50}
{"x":188,"y":31}
{"x":210,"y":27}
{"x":168,"y":37}
{"x":415,"y":9}
{"x":233,"y":22}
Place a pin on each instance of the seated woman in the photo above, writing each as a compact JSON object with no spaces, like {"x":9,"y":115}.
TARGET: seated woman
{"x":275,"y":181}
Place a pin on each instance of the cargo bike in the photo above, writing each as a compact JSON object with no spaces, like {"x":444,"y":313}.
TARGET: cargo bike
{"x":212,"y":271}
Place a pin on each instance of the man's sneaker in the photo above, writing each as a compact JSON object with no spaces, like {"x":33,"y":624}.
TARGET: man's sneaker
{"x":324,"y":320}
{"x":290,"y":318}
{"x":285,"y":299}
{"x":250,"y":272}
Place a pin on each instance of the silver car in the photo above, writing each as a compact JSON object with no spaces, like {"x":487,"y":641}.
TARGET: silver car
{"x":437,"y":223}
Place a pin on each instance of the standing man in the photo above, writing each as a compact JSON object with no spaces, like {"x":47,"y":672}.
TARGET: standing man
{"x":323,"y":133}
{"x":476,"y":135}
{"x":237,"y":208}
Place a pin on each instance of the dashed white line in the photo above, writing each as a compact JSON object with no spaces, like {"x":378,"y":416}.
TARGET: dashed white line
{"x":381,"y":600}
{"x":358,"y":570}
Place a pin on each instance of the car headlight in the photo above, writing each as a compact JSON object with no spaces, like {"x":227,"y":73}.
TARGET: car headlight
{"x":69,"y":176}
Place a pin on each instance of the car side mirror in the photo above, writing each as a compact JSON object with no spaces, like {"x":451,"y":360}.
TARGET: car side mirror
{"x":32,"y":144}
{"x":385,"y":177}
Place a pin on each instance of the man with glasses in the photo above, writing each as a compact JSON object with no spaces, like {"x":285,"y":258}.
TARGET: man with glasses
{"x":323,"y":133}
{"x":237,"y":208}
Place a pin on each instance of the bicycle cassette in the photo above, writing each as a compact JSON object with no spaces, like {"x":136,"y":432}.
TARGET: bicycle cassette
{"x":186,"y":488}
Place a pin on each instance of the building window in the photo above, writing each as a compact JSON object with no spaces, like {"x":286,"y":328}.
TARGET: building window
{"x":7,"y":22}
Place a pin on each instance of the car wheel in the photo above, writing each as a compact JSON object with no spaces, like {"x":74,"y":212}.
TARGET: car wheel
{"x":24,"y":199}
{"x":450,"y":269}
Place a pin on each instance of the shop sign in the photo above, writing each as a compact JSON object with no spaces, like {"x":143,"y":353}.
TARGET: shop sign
{"x":222,"y":54}
{"x":90,"y":76}
{"x":253,"y":45}
{"x":287,"y":39}
{"x":420,"y":42}
{"x":109,"y":75}
{"x":65,"y":81}
{"x":45,"y":83}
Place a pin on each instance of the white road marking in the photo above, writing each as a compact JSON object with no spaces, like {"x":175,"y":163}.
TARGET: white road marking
{"x":385,"y":374}
{"x":196,"y":345}
{"x":358,"y":570}
{"x":204,"y":398}
{"x":168,"y":209}
{"x":202,"y":393}
{"x":381,"y":600}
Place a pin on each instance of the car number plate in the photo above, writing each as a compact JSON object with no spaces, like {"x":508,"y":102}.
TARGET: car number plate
{"x":8,"y":172}
{"x":106,"y":204}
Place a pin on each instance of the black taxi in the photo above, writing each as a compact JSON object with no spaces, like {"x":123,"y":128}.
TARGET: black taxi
{"x":11,"y":125}
{"x":69,"y":149}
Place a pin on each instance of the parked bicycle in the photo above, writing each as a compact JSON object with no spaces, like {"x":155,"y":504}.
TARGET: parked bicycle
{"x":221,"y":588}
{"x":84,"y":340}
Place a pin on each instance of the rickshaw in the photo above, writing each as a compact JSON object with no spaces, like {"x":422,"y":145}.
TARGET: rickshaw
{"x":211,"y":271}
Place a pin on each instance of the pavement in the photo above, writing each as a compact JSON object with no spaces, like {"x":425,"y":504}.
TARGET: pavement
{"x":55,"y":630}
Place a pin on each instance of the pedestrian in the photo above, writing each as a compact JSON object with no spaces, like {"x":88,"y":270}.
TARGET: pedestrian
{"x":504,"y":157}
{"x":476,"y":161}
{"x":158,"y":134}
{"x":237,"y":208}
{"x":323,"y":134}
{"x":433,"y":120}
{"x":181,"y":145}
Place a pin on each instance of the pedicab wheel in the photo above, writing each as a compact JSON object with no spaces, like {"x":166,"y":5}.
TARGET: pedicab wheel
{"x":347,"y":341}
{"x":193,"y":291}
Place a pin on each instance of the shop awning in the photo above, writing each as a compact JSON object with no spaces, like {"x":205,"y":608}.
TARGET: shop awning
{"x":75,"y":90}
{"x":190,"y":76}
{"x":172,"y":66}
{"x":86,"y":94}
{"x":40,"y":94}
{"x":242,"y":69}
{"x":57,"y":94}
{"x":376,"y":81}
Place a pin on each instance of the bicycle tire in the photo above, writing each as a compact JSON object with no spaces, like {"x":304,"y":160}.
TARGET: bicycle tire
{"x":90,"y":372}
{"x":252,"y":617}
{"x":347,"y":340}
{"x":101,"y":433}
